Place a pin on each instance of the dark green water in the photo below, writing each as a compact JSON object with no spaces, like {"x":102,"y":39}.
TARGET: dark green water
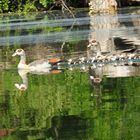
{"x":68,"y":106}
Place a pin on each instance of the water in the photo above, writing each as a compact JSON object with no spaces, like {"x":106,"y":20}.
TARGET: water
{"x":69,"y":105}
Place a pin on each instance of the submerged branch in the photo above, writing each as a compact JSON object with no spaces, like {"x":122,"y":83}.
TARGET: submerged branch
{"x":64,"y":6}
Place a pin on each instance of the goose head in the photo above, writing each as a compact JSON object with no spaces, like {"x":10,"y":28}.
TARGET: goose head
{"x":19,"y":52}
{"x":22,"y":63}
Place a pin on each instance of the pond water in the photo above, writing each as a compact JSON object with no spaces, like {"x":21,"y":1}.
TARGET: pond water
{"x":64,"y":103}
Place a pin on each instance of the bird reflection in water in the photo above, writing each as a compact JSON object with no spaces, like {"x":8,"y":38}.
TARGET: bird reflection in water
{"x":96,"y":78}
{"x":24,"y":85}
{"x":24,"y":77}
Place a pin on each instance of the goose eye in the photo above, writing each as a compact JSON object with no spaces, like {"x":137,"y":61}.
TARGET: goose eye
{"x":93,"y":41}
{"x":19,"y":50}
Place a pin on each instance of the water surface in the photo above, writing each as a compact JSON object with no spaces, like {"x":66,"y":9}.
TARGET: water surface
{"x":68,"y":105}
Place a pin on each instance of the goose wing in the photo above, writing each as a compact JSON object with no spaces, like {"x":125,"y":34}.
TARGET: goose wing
{"x":43,"y":63}
{"x":39,"y":62}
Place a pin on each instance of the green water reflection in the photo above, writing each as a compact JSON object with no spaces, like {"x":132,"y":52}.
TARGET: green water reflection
{"x":66,"y":107}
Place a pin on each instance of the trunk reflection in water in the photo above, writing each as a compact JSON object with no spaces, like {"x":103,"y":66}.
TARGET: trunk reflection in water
{"x":84,"y":101}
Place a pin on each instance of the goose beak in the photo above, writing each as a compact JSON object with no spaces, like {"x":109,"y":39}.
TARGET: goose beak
{"x":14,"y":54}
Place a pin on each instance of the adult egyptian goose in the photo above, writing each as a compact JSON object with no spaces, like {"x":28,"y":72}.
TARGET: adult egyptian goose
{"x":42,"y":65}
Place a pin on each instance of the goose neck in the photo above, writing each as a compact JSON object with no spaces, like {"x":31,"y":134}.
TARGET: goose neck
{"x":22,"y":64}
{"x":22,"y":59}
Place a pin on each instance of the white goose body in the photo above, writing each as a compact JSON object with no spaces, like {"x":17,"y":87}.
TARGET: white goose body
{"x":42,"y":65}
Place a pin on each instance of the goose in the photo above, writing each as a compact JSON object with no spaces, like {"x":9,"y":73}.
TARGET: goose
{"x":42,"y":65}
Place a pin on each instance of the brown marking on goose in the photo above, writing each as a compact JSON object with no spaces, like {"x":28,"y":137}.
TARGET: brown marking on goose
{"x":54,"y":60}
{"x":55,"y":71}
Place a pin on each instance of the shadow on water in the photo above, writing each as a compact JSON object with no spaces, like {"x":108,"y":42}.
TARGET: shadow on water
{"x":96,"y":94}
